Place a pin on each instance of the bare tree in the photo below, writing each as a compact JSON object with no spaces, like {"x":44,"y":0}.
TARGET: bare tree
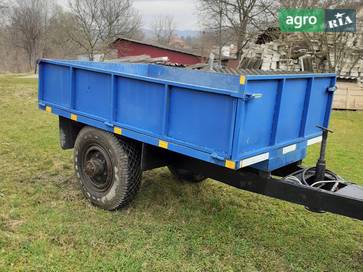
{"x":4,"y":6}
{"x":28,"y":24}
{"x":163,"y":29}
{"x":97,"y":23}
{"x":59,"y":44}
{"x":213,"y":19}
{"x":312,"y":3}
{"x":239,"y":17}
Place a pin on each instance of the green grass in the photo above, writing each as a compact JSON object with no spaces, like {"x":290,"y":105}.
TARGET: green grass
{"x":46,"y":224}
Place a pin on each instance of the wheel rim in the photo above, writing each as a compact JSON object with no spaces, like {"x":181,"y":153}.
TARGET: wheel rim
{"x":97,"y":168}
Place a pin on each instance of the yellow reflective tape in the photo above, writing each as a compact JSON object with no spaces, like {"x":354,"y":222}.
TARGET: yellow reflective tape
{"x":243,"y":80}
{"x":74,"y":117}
{"x":117,"y":130}
{"x":231,"y":164}
{"x":163,"y":144}
{"x":48,"y":109}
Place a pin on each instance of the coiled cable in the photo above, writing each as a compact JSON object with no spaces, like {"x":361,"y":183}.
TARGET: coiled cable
{"x":307,"y":177}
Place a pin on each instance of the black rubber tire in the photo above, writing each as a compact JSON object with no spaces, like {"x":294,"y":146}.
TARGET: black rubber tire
{"x":122,"y":160}
{"x":186,"y":175}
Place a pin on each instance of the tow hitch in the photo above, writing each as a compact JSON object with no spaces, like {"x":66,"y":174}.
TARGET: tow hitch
{"x":320,"y":178}
{"x":318,"y":189}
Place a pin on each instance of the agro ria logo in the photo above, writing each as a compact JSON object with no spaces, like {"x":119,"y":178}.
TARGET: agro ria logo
{"x":318,"y":20}
{"x":341,"y":20}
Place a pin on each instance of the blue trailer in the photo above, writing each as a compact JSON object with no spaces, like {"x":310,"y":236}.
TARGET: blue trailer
{"x":123,"y":119}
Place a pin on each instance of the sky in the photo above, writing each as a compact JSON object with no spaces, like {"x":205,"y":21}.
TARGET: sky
{"x":184,"y":12}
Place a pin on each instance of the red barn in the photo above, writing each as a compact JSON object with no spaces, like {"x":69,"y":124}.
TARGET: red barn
{"x":127,"y":48}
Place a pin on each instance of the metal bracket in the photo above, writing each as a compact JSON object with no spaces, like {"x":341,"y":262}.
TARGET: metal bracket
{"x":249,"y":97}
{"x":332,"y":89}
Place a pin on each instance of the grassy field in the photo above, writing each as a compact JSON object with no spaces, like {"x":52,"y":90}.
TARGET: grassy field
{"x":46,"y":225}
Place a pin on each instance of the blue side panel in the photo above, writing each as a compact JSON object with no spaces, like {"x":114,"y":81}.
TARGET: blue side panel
{"x":318,"y":108}
{"x":203,"y":119}
{"x":92,"y":93}
{"x":291,"y":110}
{"x":285,"y":116}
{"x":140,"y":104}
{"x":264,"y":123}
{"x":56,"y":79}
{"x":257,"y":116}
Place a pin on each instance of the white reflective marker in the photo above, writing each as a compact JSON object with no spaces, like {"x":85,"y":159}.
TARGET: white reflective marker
{"x":315,"y":140}
{"x":289,"y":149}
{"x":254,"y":160}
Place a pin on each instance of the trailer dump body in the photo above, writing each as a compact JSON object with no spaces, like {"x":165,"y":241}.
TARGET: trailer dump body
{"x":264,"y":122}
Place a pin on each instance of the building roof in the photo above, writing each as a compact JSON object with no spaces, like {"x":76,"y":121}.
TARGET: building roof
{"x":159,"y":46}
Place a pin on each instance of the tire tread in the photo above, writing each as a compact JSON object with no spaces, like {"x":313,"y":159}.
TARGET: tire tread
{"x":129,"y":166}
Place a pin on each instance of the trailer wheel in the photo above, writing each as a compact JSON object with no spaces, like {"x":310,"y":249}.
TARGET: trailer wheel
{"x":186,"y":175}
{"x":108,"y":168}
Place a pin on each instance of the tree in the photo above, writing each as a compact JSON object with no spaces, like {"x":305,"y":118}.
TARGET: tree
{"x":214,"y":21}
{"x":59,"y":44}
{"x":163,"y":29}
{"x":239,"y":17}
{"x":97,"y":23}
{"x":4,"y":6}
{"x":28,"y":24}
